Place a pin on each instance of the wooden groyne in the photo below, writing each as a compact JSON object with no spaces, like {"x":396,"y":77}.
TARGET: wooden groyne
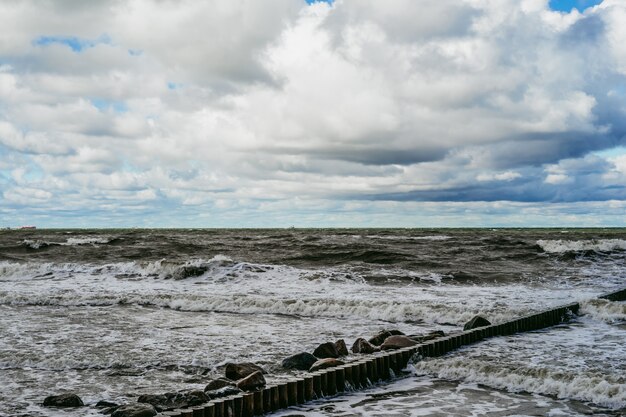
{"x":362,"y":373}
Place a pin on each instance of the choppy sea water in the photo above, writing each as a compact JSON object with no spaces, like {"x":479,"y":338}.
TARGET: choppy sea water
{"x":112,"y":314}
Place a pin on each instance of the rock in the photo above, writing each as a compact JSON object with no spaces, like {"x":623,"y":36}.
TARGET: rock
{"x":135,"y":410}
{"x":384,"y":334}
{"x":301,"y":361}
{"x":237,"y":371}
{"x":222,"y":392}
{"x":218,"y":383}
{"x":63,"y":400}
{"x":106,"y":404}
{"x":325,"y":363}
{"x":252,"y":382}
{"x":341,"y":347}
{"x":363,"y":346}
{"x":428,"y":336}
{"x":172,"y":400}
{"x":326,"y":350}
{"x":477,"y":321}
{"x":397,"y":342}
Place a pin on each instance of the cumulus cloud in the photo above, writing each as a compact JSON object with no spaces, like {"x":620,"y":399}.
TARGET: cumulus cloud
{"x":243,"y":107}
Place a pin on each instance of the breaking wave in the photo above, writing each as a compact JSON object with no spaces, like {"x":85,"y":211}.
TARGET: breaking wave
{"x":596,"y":245}
{"x":605,"y":390}
{"x":604,"y":310}
{"x":72,"y":241}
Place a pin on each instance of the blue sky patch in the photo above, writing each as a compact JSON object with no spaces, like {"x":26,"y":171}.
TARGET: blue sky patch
{"x":105,"y":105}
{"x":76,"y":44}
{"x":319,"y":1}
{"x":568,"y":5}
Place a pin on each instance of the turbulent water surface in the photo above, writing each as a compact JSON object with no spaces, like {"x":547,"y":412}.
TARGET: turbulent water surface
{"x":112,"y":314}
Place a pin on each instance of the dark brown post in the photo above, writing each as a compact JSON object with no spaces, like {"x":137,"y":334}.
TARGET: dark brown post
{"x":309,"y":392}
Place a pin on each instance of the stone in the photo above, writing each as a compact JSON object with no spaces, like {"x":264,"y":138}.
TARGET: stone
{"x":363,"y":346}
{"x":326,"y":363}
{"x":326,"y":350}
{"x":106,"y":404}
{"x":218,"y":383}
{"x":237,"y":371}
{"x":222,"y":392}
{"x":135,"y":410}
{"x":428,"y":336}
{"x":173,"y":400}
{"x":252,"y":382}
{"x":384,"y":334}
{"x":475,"y":322}
{"x":341,"y":347}
{"x":63,"y":400}
{"x":300,"y":361}
{"x":397,"y":342}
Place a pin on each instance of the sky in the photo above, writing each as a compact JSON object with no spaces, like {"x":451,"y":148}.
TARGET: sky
{"x":350,"y":113}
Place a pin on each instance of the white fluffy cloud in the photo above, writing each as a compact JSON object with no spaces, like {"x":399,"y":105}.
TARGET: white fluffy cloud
{"x":147,"y":109}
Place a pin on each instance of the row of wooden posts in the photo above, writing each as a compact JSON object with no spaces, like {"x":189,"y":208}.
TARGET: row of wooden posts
{"x":359,"y":374}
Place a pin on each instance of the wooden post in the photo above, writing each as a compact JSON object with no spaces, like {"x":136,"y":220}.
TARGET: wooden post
{"x":258,"y":402}
{"x":247,"y":409}
{"x":341,"y":379}
{"x":309,"y":392}
{"x":292,"y":392}
{"x":317,"y":385}
{"x":283,"y":395}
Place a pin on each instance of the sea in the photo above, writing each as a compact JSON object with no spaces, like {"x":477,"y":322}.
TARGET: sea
{"x":110,"y":314}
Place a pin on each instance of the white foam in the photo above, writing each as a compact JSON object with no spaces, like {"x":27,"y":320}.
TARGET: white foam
{"x":604,"y":310}
{"x":600,"y":389}
{"x":599,"y":245}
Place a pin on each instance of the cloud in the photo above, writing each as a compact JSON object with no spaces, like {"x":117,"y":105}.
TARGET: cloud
{"x":247,"y":107}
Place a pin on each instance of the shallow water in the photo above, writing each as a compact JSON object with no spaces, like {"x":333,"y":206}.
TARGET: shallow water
{"x":118,"y":313}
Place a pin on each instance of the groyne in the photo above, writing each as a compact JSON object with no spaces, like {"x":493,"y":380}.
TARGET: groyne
{"x":380,"y":366}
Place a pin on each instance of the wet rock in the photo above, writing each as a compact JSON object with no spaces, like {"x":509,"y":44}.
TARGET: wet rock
{"x":428,"y":336}
{"x":301,"y":361}
{"x":252,"y":382}
{"x":397,"y":342}
{"x":135,"y":410}
{"x":475,"y":322}
{"x":172,"y":400}
{"x":106,"y":404}
{"x":218,"y":383}
{"x":341,"y":347}
{"x":363,"y":346}
{"x":63,"y":400}
{"x":326,"y":350}
{"x":384,"y":334}
{"x":237,"y":371}
{"x":325,"y":363}
{"x":222,"y":392}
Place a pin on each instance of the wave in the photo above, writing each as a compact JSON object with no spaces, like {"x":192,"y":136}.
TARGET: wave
{"x":72,"y":241}
{"x":605,"y":390}
{"x":384,"y":310}
{"x":218,"y":266}
{"x":608,"y":311}
{"x":595,"y":245}
{"x":400,"y":237}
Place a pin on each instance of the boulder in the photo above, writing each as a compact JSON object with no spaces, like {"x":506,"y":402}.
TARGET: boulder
{"x":475,"y":322}
{"x":428,"y":336}
{"x":222,"y":392}
{"x":397,"y":342}
{"x":237,"y":371}
{"x":135,"y":410}
{"x":325,"y":363}
{"x":301,"y":361}
{"x":363,"y":346}
{"x":341,"y":347}
{"x":218,"y":383}
{"x":384,"y":334}
{"x":172,"y":400}
{"x":252,"y":382}
{"x":63,"y":400}
{"x":326,"y":350}
{"x":106,"y":404}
